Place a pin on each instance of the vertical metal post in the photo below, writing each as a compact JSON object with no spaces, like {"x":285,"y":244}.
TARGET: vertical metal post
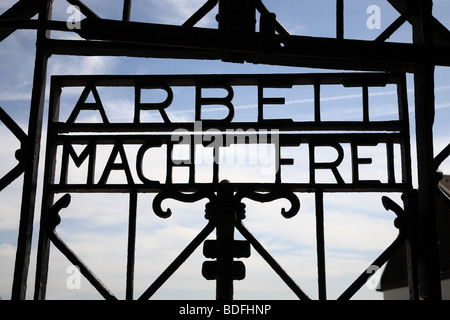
{"x":31,"y":156}
{"x":320,"y":236}
{"x":226,"y":219}
{"x":131,"y":245}
{"x":411,"y":205}
{"x":126,"y":10}
{"x":43,"y":249}
{"x":340,"y":19}
{"x":428,"y":255}
{"x":237,"y":16}
{"x":237,"y":19}
{"x":410,"y":198}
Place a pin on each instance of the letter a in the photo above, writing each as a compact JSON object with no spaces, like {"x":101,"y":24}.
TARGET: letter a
{"x":83,"y":105}
{"x":374,"y":21}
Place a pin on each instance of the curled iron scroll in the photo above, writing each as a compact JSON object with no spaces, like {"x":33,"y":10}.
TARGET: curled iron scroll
{"x":400,"y":221}
{"x":179,"y":196}
{"x":53,"y":218}
{"x":271,"y":196}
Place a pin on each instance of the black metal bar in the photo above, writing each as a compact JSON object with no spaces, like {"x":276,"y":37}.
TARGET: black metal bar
{"x":403,"y":111}
{"x":131,"y":245}
{"x":43,"y":248}
{"x":320,"y":238}
{"x":271,"y":261}
{"x":294,"y":51}
{"x":260,"y":187}
{"x":126,"y":10}
{"x":365,"y":95}
{"x":428,"y":258}
{"x":282,"y":126}
{"x":182,"y":257}
{"x":411,"y":207}
{"x":317,"y":102}
{"x":340,"y":19}
{"x":226,"y":218}
{"x":353,"y":79}
{"x":375,"y":126}
{"x":31,"y":158}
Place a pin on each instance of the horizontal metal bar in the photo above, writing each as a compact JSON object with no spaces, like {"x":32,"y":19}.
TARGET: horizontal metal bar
{"x":284,"y":139}
{"x":286,"y":49}
{"x":349,"y":79}
{"x":282,"y":126}
{"x":258,"y":187}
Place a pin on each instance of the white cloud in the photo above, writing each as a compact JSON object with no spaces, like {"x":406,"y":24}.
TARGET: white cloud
{"x":80,"y":65}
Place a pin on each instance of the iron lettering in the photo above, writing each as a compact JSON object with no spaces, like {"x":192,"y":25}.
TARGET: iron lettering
{"x":150,"y":155}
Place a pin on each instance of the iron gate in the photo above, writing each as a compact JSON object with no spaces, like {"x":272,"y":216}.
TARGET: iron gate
{"x":236,"y":40}
{"x":225,"y":210}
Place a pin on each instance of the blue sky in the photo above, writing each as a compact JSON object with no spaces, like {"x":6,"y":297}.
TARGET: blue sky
{"x":357,"y":228}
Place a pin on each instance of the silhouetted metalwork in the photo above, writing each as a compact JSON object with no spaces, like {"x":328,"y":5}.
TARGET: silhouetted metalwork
{"x":235,"y":40}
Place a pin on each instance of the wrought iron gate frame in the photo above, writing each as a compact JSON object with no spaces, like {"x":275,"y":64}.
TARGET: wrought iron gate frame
{"x":225,"y":201}
{"x":430,"y":48}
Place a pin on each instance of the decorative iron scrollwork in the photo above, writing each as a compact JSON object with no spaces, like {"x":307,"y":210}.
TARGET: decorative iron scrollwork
{"x":400,"y":221}
{"x":271,"y":196}
{"x":54,"y":218}
{"x":180,"y":196}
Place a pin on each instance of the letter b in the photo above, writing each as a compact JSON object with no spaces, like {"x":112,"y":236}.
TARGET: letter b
{"x":226,"y":309}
